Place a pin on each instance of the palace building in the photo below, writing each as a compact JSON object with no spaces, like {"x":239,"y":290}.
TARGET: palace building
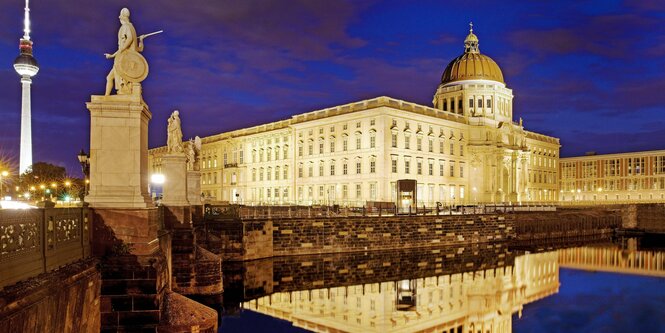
{"x":614,"y":178}
{"x":464,"y":149}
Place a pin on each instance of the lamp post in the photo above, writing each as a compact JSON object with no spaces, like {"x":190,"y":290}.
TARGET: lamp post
{"x":84,"y":160}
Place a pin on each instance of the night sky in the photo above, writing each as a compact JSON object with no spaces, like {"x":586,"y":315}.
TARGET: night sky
{"x":589,"y":72}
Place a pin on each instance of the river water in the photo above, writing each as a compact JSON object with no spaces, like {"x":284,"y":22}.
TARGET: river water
{"x":600,"y":285}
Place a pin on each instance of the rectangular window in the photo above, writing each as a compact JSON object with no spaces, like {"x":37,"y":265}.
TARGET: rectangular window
{"x":310,"y":172}
{"x":345,"y":144}
{"x":345,"y":168}
{"x":321,"y":169}
{"x":407,"y":167}
{"x":489,"y":103}
{"x":419,"y":167}
{"x":431,"y":146}
{"x":242,"y":155}
{"x":286,"y":172}
{"x":358,"y":141}
{"x":332,"y":169}
{"x":461,"y":170}
{"x":372,"y":191}
{"x":431,"y":169}
{"x":372,"y":122}
{"x":461,"y":149}
{"x":321,"y":190}
{"x":452,"y":169}
{"x":452,"y":148}
{"x":441,"y":166}
{"x":358,"y":191}
{"x":394,"y":140}
{"x":345,"y":192}
{"x":321,"y":147}
{"x":372,"y":141}
{"x":407,"y":142}
{"x":300,"y":150}
{"x":300,"y":171}
{"x":332,"y":146}
{"x":310,"y":149}
{"x":419,"y":144}
{"x":470,"y":102}
{"x":480,"y":102}
{"x":358,"y":167}
{"x":394,"y":166}
{"x":441,"y":147}
{"x":372,"y":166}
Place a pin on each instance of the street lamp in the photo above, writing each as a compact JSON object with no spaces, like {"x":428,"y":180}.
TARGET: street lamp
{"x":3,"y":174}
{"x":84,"y":160}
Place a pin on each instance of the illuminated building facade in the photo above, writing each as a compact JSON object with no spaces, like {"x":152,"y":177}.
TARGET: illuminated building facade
{"x":618,"y":178}
{"x":480,"y":301}
{"x":464,"y":149}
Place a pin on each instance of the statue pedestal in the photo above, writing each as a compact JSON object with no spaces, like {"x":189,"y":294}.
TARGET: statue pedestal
{"x":174,"y":167}
{"x":194,"y":187}
{"x":119,"y":151}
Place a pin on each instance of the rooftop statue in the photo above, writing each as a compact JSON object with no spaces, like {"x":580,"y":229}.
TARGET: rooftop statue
{"x":174,"y":138}
{"x":129,"y":66}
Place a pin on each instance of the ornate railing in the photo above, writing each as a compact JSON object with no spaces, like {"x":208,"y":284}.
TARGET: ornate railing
{"x":36,"y":241}
{"x":227,"y":212}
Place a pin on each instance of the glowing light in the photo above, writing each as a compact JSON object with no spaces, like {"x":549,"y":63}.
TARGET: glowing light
{"x":4,"y":173}
{"x":68,"y":183}
{"x":26,"y":21}
{"x":15,"y":205}
{"x":67,"y":198}
{"x":26,"y":195}
{"x":54,"y":185}
{"x":157,"y":179}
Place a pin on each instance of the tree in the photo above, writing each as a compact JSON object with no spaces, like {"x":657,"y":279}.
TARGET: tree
{"x":42,"y":176}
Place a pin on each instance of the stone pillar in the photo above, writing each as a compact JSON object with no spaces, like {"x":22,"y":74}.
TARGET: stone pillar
{"x":119,"y":151}
{"x":513,"y":178}
{"x":175,"y":180}
{"x":177,"y":211}
{"x":194,"y":187}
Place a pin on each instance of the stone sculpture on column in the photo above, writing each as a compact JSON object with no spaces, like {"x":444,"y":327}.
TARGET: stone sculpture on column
{"x":193,"y":173}
{"x":175,"y":165}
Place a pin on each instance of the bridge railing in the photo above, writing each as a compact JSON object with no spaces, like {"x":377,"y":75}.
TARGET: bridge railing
{"x":225,"y":211}
{"x":35,"y":241}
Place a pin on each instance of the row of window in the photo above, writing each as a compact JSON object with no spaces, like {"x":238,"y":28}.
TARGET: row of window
{"x":650,"y":183}
{"x":258,"y":174}
{"x":332,"y":168}
{"x":430,"y":167}
{"x":635,"y":166}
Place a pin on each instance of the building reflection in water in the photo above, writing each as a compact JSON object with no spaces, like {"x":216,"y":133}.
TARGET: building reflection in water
{"x":481,"y":301}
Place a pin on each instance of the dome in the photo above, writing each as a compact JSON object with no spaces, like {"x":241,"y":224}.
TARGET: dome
{"x":25,"y":59}
{"x":26,"y":65}
{"x":472,"y":65}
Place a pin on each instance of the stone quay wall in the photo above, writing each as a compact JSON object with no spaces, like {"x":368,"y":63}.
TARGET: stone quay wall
{"x":252,"y":279}
{"x":565,"y":224}
{"x":65,"y":300}
{"x":648,"y":218}
{"x":262,"y":238}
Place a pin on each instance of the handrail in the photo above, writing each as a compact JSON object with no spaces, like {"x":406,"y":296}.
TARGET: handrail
{"x":36,"y":241}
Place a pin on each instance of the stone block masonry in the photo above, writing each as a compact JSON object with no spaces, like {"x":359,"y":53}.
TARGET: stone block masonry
{"x":247,"y":240}
{"x":66,"y":300}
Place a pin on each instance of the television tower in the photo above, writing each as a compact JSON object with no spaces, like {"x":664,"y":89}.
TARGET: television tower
{"x":26,"y":66}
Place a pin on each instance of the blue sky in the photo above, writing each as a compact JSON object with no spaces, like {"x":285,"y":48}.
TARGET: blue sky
{"x":589,"y":72}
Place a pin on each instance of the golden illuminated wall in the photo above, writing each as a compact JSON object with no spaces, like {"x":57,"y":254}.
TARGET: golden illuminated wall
{"x":469,"y":302}
{"x":614,"y":259}
{"x":613,"y":178}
